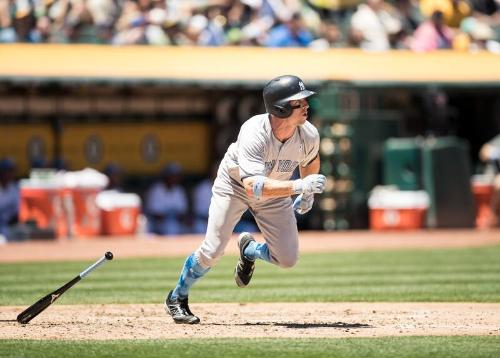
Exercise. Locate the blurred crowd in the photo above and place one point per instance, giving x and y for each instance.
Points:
(373, 25)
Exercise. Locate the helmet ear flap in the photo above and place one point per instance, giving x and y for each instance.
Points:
(283, 110)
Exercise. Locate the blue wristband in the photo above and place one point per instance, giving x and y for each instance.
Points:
(258, 186)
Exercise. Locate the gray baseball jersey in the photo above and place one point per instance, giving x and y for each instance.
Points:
(258, 152)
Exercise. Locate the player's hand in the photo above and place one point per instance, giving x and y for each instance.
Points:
(311, 184)
(494, 153)
(303, 203)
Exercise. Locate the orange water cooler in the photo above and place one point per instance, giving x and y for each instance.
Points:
(119, 212)
(86, 215)
(45, 206)
(482, 188)
(392, 209)
(397, 218)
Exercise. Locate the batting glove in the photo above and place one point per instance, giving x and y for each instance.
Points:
(303, 203)
(494, 154)
(311, 184)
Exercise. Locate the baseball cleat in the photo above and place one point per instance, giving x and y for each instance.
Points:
(178, 308)
(244, 268)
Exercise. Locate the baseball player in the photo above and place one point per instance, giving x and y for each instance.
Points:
(255, 174)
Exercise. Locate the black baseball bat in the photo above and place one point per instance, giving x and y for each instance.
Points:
(39, 306)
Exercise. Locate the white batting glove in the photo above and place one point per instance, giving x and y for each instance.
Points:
(311, 184)
(494, 153)
(303, 203)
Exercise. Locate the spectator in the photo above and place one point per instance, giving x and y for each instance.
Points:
(142, 22)
(292, 33)
(131, 25)
(478, 33)
(9, 196)
(104, 13)
(202, 194)
(166, 204)
(7, 31)
(255, 24)
(488, 10)
(408, 13)
(490, 154)
(372, 25)
(432, 34)
(194, 30)
(114, 172)
(330, 36)
(237, 16)
(213, 34)
(454, 11)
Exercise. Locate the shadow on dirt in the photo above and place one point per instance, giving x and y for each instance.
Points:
(341, 325)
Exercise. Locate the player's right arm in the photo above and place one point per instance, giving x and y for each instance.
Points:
(251, 159)
(271, 188)
(262, 187)
(489, 152)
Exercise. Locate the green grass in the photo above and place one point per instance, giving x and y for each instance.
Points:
(452, 275)
(407, 347)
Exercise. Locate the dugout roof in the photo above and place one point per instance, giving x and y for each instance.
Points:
(229, 66)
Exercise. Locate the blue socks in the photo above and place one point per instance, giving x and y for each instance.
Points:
(191, 272)
(254, 250)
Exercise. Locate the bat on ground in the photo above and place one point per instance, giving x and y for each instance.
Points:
(36, 308)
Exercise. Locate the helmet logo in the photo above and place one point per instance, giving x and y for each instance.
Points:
(301, 85)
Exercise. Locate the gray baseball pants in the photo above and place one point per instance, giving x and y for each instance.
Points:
(275, 218)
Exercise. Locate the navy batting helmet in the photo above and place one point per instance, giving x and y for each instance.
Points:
(280, 91)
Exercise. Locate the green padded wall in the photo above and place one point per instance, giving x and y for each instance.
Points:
(446, 178)
(369, 136)
(402, 163)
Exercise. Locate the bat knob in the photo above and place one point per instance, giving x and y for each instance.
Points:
(108, 255)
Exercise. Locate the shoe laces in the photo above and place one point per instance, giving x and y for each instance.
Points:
(181, 307)
(246, 266)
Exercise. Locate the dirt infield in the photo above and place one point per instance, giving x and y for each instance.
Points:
(308, 320)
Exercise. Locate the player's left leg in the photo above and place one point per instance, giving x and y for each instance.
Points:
(250, 250)
(276, 220)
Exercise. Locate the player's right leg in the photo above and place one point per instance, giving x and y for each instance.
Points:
(176, 303)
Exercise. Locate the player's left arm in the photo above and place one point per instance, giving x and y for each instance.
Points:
(304, 202)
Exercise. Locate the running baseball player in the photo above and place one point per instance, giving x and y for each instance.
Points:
(255, 174)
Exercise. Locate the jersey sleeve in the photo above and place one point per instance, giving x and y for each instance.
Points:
(311, 147)
(251, 154)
